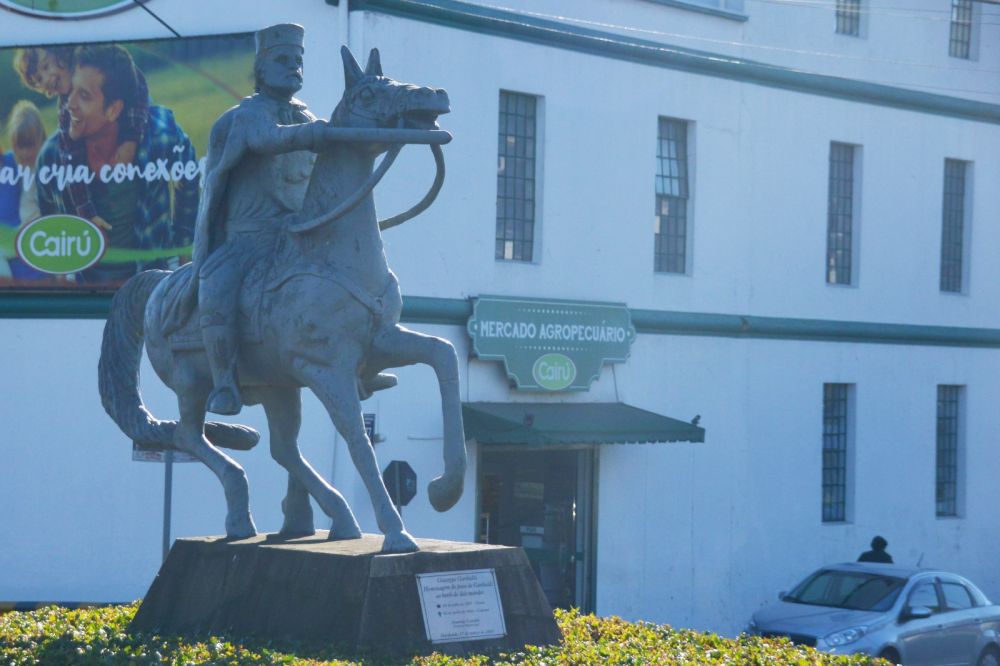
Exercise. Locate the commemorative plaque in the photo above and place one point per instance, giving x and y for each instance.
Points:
(461, 605)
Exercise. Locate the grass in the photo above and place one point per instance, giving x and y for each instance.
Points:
(54, 636)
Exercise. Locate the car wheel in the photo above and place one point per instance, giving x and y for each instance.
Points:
(989, 657)
(891, 656)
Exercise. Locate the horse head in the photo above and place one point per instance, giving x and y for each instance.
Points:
(376, 115)
(374, 101)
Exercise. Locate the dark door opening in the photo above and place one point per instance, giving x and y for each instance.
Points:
(542, 501)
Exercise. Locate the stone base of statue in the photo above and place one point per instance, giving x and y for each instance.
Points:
(456, 598)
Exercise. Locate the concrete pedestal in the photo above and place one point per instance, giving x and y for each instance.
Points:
(341, 592)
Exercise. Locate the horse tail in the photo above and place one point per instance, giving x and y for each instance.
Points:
(118, 369)
(118, 374)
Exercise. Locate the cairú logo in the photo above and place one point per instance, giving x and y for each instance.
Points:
(554, 371)
(60, 244)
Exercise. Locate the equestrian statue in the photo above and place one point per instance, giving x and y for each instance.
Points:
(288, 288)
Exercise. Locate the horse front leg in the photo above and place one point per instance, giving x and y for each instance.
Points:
(396, 346)
(284, 418)
(189, 437)
(337, 389)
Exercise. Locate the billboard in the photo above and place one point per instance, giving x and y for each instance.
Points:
(67, 9)
(102, 155)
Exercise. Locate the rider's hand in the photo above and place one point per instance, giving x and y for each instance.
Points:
(101, 222)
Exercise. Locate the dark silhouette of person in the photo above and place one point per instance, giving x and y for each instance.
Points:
(877, 553)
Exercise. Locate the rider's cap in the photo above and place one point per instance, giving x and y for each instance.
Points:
(283, 34)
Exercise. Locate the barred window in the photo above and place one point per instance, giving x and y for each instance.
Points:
(672, 197)
(953, 225)
(515, 232)
(960, 40)
(836, 435)
(948, 414)
(849, 17)
(840, 214)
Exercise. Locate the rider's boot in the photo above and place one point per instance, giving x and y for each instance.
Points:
(221, 345)
(368, 385)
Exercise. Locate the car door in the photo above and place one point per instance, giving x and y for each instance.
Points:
(960, 621)
(920, 638)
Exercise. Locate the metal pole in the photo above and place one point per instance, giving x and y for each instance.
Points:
(168, 483)
(397, 475)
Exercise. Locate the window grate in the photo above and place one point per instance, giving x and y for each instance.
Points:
(840, 214)
(953, 225)
(671, 237)
(849, 17)
(515, 228)
(960, 40)
(948, 405)
(835, 442)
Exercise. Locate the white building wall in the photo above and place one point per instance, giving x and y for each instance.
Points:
(901, 44)
(703, 535)
(694, 535)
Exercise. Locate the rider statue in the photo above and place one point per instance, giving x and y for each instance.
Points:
(260, 157)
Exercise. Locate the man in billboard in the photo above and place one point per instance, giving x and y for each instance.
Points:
(49, 71)
(145, 207)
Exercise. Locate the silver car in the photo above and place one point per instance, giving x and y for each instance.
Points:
(917, 617)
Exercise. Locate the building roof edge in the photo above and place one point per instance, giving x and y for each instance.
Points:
(513, 25)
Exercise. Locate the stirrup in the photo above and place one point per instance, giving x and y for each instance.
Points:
(224, 400)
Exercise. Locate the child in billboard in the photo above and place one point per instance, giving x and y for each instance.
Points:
(25, 134)
(49, 70)
(19, 200)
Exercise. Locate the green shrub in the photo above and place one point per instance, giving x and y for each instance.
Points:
(54, 636)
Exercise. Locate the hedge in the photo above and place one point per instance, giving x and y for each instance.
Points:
(53, 636)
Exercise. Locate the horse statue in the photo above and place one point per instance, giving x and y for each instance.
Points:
(323, 313)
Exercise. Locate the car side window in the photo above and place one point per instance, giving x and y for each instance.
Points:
(956, 596)
(924, 594)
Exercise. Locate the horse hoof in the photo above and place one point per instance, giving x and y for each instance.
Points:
(298, 519)
(399, 542)
(344, 535)
(444, 492)
(241, 528)
(295, 534)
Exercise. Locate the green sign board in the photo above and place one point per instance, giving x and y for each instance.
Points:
(67, 8)
(550, 345)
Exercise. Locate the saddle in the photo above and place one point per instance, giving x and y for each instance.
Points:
(263, 277)
(188, 337)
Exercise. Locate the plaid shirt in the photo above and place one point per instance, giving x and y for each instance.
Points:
(131, 128)
(167, 209)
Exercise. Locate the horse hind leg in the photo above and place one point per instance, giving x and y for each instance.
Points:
(284, 417)
(189, 437)
(337, 389)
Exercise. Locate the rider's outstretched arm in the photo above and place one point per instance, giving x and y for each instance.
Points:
(320, 135)
(275, 139)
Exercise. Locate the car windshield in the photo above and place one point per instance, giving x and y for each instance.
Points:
(854, 590)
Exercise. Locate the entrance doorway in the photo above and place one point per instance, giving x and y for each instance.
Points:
(543, 502)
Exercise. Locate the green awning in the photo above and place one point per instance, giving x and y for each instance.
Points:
(554, 423)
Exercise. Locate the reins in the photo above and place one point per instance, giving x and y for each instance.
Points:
(399, 137)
